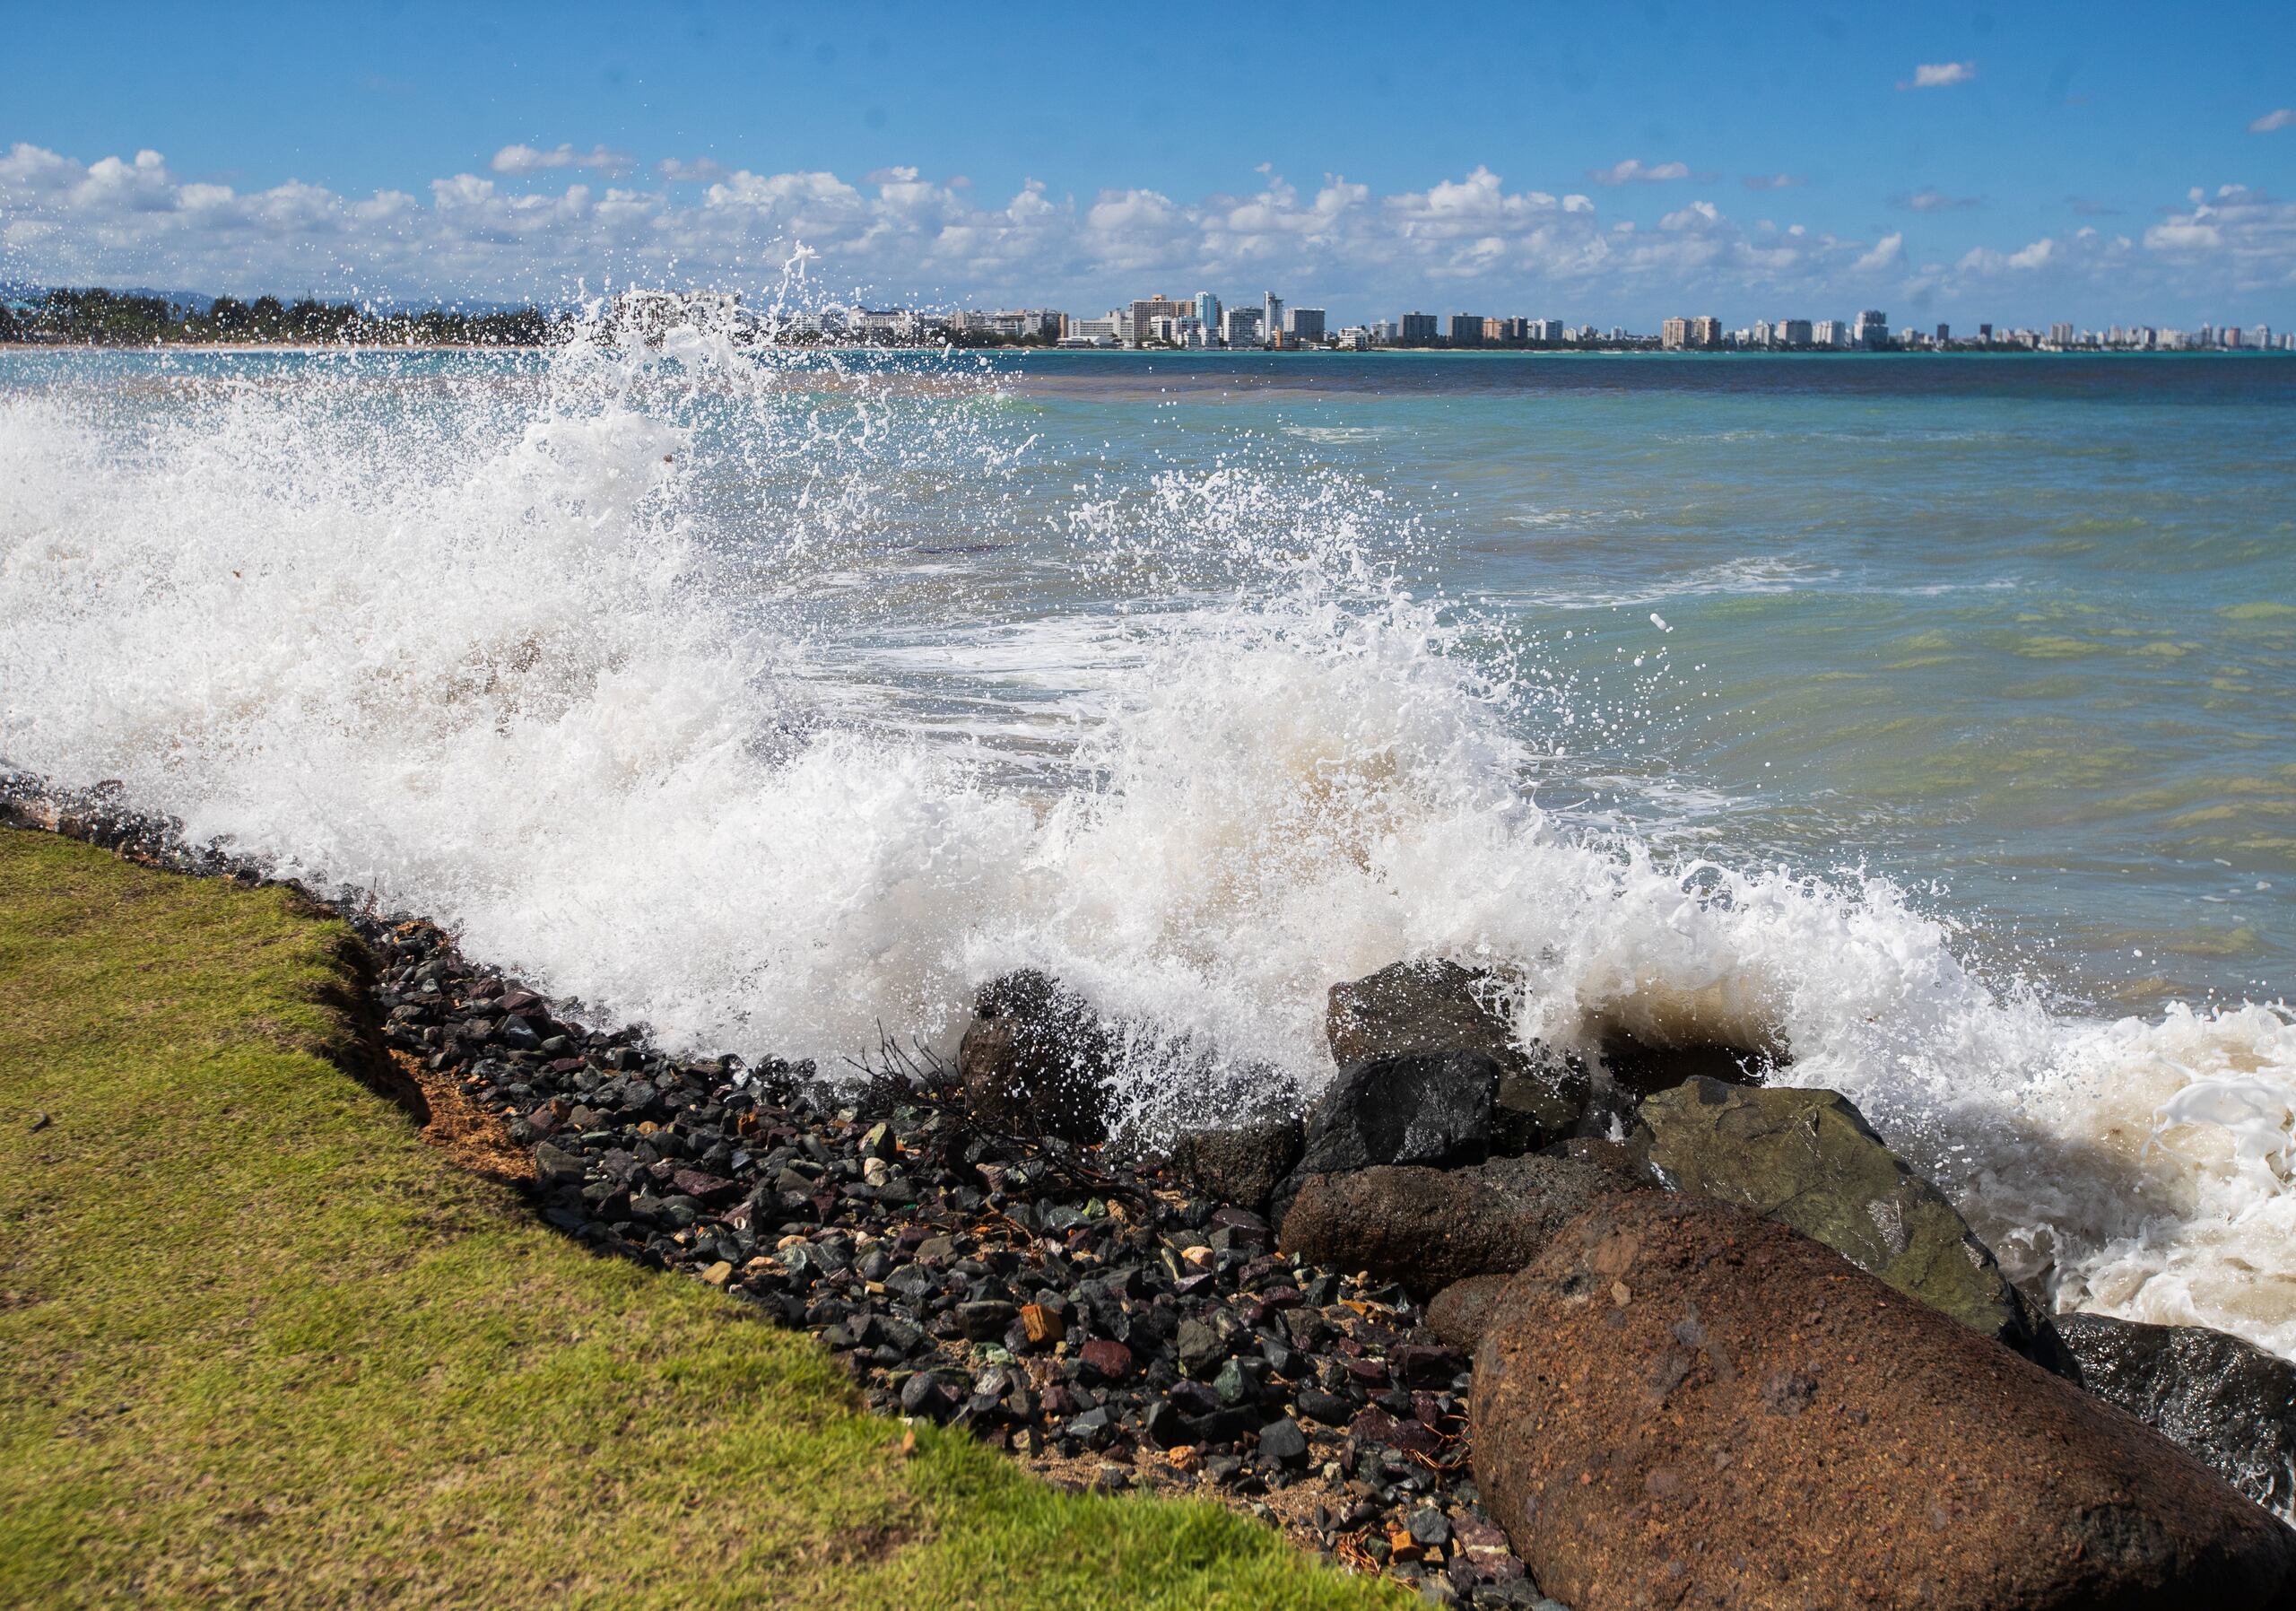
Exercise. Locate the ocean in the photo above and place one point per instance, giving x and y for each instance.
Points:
(1934, 719)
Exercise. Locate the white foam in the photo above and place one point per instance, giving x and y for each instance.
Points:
(470, 646)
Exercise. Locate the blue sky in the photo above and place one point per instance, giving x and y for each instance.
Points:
(2014, 163)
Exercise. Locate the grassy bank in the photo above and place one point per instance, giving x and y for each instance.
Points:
(258, 1343)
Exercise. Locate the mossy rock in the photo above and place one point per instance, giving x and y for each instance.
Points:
(1808, 1158)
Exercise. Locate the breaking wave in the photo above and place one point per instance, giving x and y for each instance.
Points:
(779, 699)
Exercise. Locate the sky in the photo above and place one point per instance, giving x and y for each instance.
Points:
(2018, 164)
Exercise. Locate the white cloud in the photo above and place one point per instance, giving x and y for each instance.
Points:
(2279, 117)
(1939, 75)
(701, 170)
(525, 158)
(1888, 252)
(1935, 201)
(1632, 171)
(1470, 239)
(1774, 182)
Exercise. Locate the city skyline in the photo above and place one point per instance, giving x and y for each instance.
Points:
(1626, 169)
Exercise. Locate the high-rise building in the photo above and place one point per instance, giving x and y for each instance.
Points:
(1147, 311)
(1271, 318)
(1467, 329)
(1792, 332)
(1207, 310)
(1945, 334)
(2060, 335)
(1675, 334)
(1872, 330)
(1416, 329)
(1706, 331)
(1239, 328)
(1306, 326)
(1985, 333)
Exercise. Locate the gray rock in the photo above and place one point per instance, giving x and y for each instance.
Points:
(1242, 1166)
(1808, 1158)
(1200, 1347)
(555, 1165)
(1283, 1443)
(2223, 1400)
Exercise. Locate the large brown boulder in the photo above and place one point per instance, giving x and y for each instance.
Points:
(1037, 1059)
(1427, 1228)
(1438, 1006)
(1684, 1403)
(1460, 1313)
(1808, 1157)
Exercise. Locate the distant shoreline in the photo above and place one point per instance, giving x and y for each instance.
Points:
(316, 349)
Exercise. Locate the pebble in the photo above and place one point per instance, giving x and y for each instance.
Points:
(1046, 1299)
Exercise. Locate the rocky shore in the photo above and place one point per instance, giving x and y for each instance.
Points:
(1488, 1318)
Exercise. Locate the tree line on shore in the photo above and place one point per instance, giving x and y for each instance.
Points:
(98, 317)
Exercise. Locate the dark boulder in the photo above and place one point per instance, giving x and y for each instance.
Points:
(2225, 1401)
(1430, 1108)
(1427, 1228)
(1684, 1394)
(1639, 1066)
(1036, 1060)
(1242, 1166)
(1437, 1006)
(1808, 1158)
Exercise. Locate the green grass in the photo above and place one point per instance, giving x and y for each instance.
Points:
(260, 1345)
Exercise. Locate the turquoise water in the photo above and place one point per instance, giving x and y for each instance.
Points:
(2019, 632)
(1929, 717)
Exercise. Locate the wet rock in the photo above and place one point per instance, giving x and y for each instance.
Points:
(1809, 1159)
(1438, 1006)
(1242, 1166)
(1686, 1393)
(1037, 1059)
(1427, 1108)
(2222, 1400)
(1428, 1228)
(1459, 1312)
(1640, 1068)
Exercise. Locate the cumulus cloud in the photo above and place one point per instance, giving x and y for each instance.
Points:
(1939, 75)
(1887, 252)
(1935, 201)
(1472, 240)
(518, 160)
(2279, 117)
(1632, 170)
